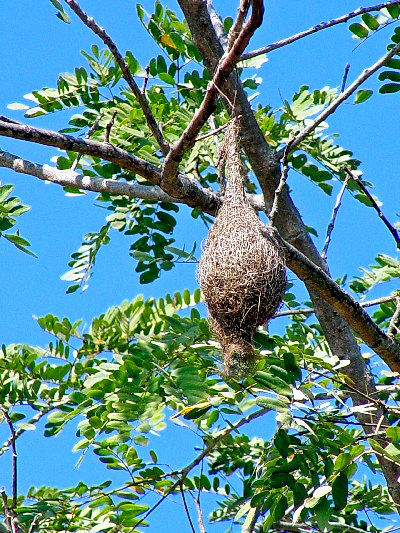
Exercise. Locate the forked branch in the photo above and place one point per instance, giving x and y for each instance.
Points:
(224, 69)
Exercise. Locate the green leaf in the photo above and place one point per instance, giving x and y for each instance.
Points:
(5, 190)
(370, 21)
(342, 461)
(390, 88)
(272, 403)
(340, 489)
(167, 78)
(363, 95)
(359, 30)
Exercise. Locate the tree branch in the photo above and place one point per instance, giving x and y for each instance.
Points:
(100, 32)
(311, 310)
(392, 230)
(314, 29)
(183, 188)
(331, 224)
(225, 67)
(208, 36)
(14, 457)
(366, 73)
(393, 327)
(71, 178)
(344, 304)
(20, 431)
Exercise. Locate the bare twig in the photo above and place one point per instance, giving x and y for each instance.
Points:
(213, 132)
(185, 471)
(282, 183)
(392, 230)
(186, 508)
(311, 310)
(318, 27)
(20, 431)
(109, 125)
(331, 224)
(224, 69)
(394, 324)
(345, 74)
(367, 73)
(33, 523)
(92, 129)
(151, 121)
(14, 457)
(200, 520)
(145, 79)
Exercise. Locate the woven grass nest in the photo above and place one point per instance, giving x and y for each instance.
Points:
(242, 271)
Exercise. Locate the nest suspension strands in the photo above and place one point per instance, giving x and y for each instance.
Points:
(242, 271)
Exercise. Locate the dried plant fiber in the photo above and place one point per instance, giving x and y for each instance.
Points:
(242, 271)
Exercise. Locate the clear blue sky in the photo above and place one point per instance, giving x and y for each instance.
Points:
(37, 47)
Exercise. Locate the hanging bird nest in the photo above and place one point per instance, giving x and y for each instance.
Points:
(242, 271)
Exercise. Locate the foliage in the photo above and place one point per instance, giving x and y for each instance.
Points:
(147, 365)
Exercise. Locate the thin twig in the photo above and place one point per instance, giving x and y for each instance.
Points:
(315, 29)
(91, 130)
(20, 431)
(109, 125)
(14, 458)
(185, 471)
(311, 310)
(282, 183)
(186, 508)
(331, 224)
(394, 324)
(33, 523)
(200, 520)
(366, 73)
(345, 74)
(392, 230)
(225, 67)
(213, 132)
(145, 79)
(126, 73)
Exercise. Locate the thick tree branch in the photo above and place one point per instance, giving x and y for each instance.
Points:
(71, 178)
(345, 305)
(367, 73)
(100, 32)
(224, 69)
(183, 188)
(314, 29)
(311, 310)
